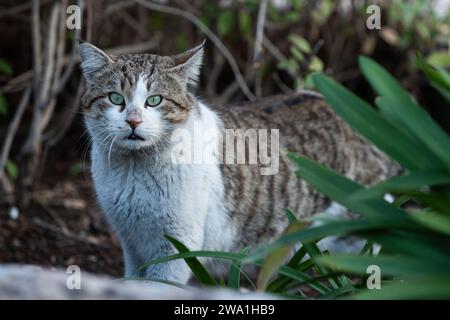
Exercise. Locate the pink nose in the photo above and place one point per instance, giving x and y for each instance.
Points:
(133, 122)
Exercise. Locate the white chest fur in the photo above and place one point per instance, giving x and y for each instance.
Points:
(145, 197)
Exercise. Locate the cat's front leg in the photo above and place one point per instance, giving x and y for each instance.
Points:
(175, 270)
(131, 264)
(143, 247)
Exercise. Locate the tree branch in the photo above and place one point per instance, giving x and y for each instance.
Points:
(215, 40)
(12, 129)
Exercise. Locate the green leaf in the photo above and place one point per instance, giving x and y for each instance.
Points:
(284, 270)
(444, 93)
(337, 292)
(276, 258)
(408, 182)
(289, 64)
(245, 23)
(316, 64)
(413, 116)
(6, 68)
(438, 77)
(304, 279)
(363, 118)
(436, 200)
(297, 54)
(300, 43)
(314, 251)
(338, 187)
(425, 288)
(390, 265)
(197, 268)
(225, 22)
(433, 220)
(336, 228)
(11, 169)
(234, 275)
(429, 247)
(278, 284)
(291, 216)
(392, 117)
(440, 58)
(3, 106)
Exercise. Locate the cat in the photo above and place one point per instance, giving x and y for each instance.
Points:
(132, 107)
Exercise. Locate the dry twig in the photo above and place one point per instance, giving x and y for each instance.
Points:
(257, 55)
(12, 129)
(215, 40)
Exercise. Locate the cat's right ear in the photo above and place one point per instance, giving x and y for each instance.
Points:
(92, 59)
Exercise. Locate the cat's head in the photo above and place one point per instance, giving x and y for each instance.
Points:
(136, 101)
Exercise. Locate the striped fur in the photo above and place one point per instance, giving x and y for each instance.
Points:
(256, 203)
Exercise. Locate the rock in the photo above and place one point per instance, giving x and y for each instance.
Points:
(33, 282)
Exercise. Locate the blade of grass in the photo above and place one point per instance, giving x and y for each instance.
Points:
(413, 116)
(314, 251)
(335, 293)
(234, 275)
(408, 182)
(330, 229)
(284, 270)
(393, 265)
(338, 187)
(433, 220)
(276, 258)
(425, 288)
(197, 268)
(364, 119)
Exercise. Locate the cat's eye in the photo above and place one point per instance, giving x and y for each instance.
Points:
(153, 101)
(116, 98)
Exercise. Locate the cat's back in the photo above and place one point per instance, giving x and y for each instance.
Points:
(307, 126)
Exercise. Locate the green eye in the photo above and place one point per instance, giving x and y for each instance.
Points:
(116, 98)
(153, 101)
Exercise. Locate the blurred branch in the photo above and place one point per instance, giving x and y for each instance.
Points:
(36, 38)
(19, 8)
(17, 83)
(257, 55)
(133, 48)
(31, 151)
(56, 85)
(231, 90)
(20, 82)
(217, 42)
(276, 53)
(12, 129)
(69, 115)
(134, 24)
(66, 233)
(119, 6)
(211, 84)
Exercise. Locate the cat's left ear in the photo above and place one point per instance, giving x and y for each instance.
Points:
(92, 59)
(188, 64)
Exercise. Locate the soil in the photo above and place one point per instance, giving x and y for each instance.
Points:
(62, 227)
(63, 224)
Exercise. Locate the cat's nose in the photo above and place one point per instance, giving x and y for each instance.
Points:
(134, 122)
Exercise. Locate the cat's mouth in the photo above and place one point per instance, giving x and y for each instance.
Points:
(134, 136)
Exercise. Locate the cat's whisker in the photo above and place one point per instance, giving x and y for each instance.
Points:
(109, 152)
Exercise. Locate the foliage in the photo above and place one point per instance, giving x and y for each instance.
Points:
(303, 61)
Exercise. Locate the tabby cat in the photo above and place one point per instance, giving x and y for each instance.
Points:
(133, 105)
